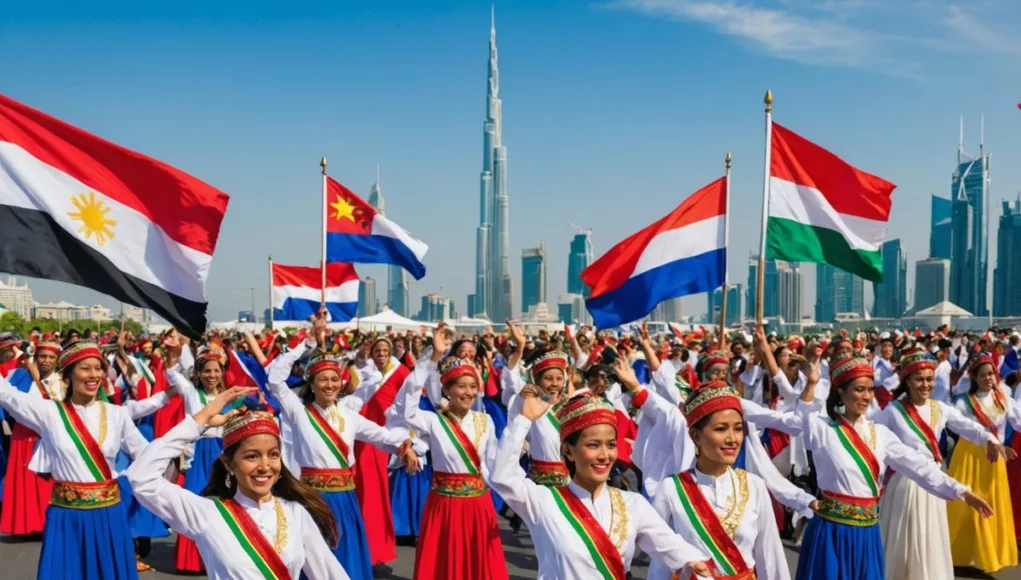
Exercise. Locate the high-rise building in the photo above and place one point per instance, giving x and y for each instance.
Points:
(435, 308)
(735, 305)
(668, 310)
(940, 227)
(932, 282)
(579, 259)
(571, 309)
(788, 291)
(397, 297)
(891, 295)
(16, 297)
(493, 283)
(533, 276)
(1007, 276)
(367, 297)
(771, 287)
(837, 292)
(969, 249)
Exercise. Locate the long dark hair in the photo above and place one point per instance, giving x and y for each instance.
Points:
(973, 372)
(197, 374)
(902, 388)
(287, 487)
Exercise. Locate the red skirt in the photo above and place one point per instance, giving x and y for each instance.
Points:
(459, 540)
(1014, 477)
(168, 417)
(373, 488)
(26, 494)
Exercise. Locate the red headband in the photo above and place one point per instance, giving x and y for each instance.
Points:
(584, 411)
(248, 423)
(849, 369)
(709, 398)
(455, 368)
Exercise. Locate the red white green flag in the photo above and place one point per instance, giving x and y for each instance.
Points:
(823, 210)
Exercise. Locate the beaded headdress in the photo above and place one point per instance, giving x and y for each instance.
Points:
(214, 351)
(321, 362)
(847, 370)
(48, 346)
(77, 352)
(914, 360)
(709, 398)
(549, 360)
(978, 360)
(453, 368)
(584, 411)
(9, 340)
(247, 423)
(716, 357)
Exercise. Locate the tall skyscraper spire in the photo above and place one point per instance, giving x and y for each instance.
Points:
(493, 284)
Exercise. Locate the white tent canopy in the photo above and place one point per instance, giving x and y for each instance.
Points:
(384, 320)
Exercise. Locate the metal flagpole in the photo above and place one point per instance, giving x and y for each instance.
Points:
(726, 244)
(760, 273)
(322, 263)
(271, 293)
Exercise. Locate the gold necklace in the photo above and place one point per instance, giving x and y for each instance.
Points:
(737, 503)
(102, 423)
(280, 539)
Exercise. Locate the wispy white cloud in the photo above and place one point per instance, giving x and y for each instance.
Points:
(886, 37)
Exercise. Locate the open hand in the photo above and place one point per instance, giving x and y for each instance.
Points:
(210, 416)
(442, 339)
(533, 406)
(978, 504)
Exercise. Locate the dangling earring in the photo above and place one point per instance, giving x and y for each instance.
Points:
(698, 452)
(227, 481)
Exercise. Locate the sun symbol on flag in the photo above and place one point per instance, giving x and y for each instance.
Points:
(92, 215)
(343, 209)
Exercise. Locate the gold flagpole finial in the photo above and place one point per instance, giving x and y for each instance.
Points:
(322, 163)
(728, 159)
(768, 100)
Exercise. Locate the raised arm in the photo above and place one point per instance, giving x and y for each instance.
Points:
(35, 413)
(507, 478)
(392, 440)
(147, 406)
(766, 418)
(967, 428)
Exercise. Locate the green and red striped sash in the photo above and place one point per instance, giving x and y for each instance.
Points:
(553, 419)
(334, 442)
(920, 427)
(252, 541)
(465, 448)
(980, 415)
(86, 444)
(860, 452)
(604, 553)
(707, 525)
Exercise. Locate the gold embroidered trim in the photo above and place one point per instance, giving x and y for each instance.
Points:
(480, 429)
(102, 424)
(736, 503)
(935, 414)
(618, 517)
(280, 538)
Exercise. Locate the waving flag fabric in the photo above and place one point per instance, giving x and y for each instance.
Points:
(823, 210)
(297, 292)
(357, 233)
(682, 253)
(79, 209)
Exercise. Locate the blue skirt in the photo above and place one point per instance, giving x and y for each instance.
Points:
(90, 544)
(147, 426)
(497, 414)
(832, 551)
(407, 499)
(352, 550)
(207, 452)
(142, 522)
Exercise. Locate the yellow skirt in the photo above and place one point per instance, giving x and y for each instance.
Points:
(984, 543)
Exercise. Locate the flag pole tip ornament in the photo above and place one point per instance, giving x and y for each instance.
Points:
(246, 423)
(453, 368)
(709, 398)
(322, 163)
(768, 99)
(728, 158)
(584, 411)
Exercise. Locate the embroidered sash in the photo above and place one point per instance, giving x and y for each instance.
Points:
(860, 452)
(465, 448)
(922, 429)
(334, 442)
(252, 541)
(605, 555)
(980, 415)
(553, 419)
(86, 444)
(707, 525)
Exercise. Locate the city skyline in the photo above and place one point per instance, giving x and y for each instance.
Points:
(606, 155)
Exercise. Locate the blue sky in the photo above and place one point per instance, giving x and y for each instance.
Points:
(613, 111)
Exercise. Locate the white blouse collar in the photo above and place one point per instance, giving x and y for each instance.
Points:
(248, 503)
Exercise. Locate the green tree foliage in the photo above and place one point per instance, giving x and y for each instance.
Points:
(11, 322)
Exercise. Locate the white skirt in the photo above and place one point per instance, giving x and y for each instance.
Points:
(916, 539)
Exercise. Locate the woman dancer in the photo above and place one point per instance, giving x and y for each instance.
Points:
(724, 511)
(459, 536)
(851, 456)
(986, 544)
(86, 534)
(914, 523)
(199, 457)
(256, 520)
(26, 493)
(585, 529)
(324, 434)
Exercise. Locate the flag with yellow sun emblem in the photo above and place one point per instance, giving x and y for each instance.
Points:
(79, 209)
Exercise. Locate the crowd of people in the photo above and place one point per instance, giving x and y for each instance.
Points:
(309, 453)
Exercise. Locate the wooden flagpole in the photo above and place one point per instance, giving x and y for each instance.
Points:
(760, 271)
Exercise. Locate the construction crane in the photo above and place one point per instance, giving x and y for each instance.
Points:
(580, 230)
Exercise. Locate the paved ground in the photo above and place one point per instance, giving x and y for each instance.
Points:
(18, 561)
